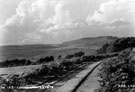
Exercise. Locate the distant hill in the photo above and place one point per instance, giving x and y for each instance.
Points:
(90, 42)
(118, 45)
(87, 45)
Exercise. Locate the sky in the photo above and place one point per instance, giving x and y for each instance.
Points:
(57, 21)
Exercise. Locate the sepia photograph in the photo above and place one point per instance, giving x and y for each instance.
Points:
(67, 45)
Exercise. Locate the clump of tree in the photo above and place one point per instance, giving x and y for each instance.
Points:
(15, 62)
(117, 45)
(45, 59)
(118, 73)
(77, 54)
(23, 62)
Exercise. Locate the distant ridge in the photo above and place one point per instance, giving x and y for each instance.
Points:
(85, 42)
(118, 45)
(92, 40)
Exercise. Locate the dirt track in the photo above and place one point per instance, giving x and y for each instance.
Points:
(73, 84)
(91, 83)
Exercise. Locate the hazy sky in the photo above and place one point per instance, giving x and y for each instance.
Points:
(55, 21)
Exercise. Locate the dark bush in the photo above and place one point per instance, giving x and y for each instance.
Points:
(11, 81)
(118, 71)
(117, 45)
(69, 56)
(77, 54)
(45, 60)
(67, 63)
(15, 62)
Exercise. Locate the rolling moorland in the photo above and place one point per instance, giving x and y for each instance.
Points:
(33, 52)
(118, 65)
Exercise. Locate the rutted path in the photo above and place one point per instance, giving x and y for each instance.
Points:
(91, 83)
(73, 84)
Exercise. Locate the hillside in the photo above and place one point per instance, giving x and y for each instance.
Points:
(91, 41)
(87, 45)
(118, 45)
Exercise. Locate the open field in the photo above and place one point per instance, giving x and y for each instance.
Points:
(17, 70)
(33, 52)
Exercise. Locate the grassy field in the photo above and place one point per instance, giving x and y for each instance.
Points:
(35, 54)
(19, 70)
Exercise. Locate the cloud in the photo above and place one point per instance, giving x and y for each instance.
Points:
(113, 10)
(33, 19)
(1, 34)
(55, 21)
(61, 15)
(114, 17)
(32, 37)
(26, 21)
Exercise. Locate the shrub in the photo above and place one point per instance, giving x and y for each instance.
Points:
(117, 71)
(118, 45)
(15, 62)
(45, 60)
(77, 54)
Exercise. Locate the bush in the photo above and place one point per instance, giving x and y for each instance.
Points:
(45, 60)
(117, 71)
(11, 81)
(67, 63)
(77, 54)
(15, 62)
(117, 45)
